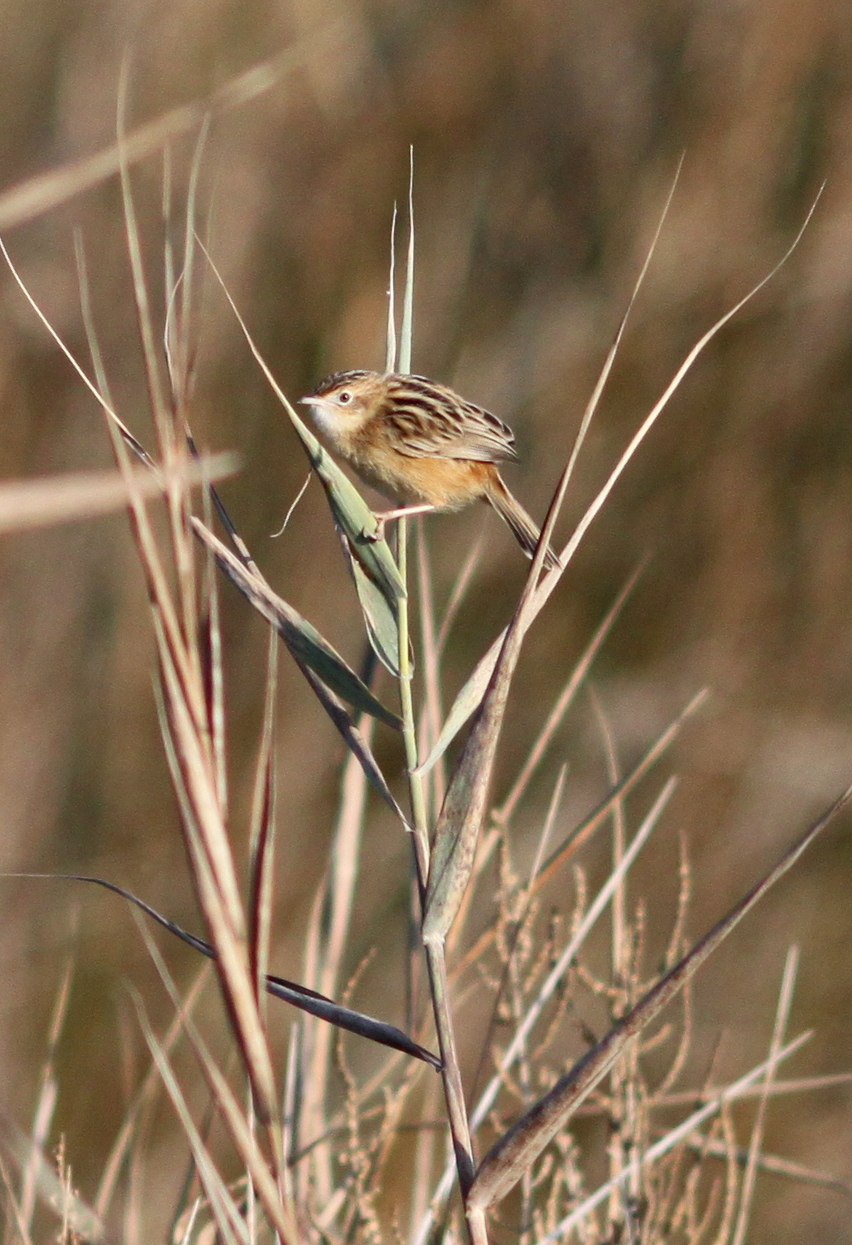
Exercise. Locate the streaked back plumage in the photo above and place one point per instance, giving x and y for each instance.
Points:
(429, 420)
(433, 421)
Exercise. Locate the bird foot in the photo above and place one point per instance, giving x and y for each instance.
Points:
(383, 517)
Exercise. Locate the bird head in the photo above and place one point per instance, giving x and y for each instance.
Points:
(342, 403)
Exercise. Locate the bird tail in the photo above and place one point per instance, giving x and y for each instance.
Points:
(519, 522)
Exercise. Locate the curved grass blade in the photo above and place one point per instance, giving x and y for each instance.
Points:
(346, 1018)
(302, 639)
(45, 191)
(470, 697)
(354, 740)
(290, 991)
(352, 514)
(503, 813)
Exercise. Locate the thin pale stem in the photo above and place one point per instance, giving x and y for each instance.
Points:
(409, 729)
(450, 1073)
(435, 959)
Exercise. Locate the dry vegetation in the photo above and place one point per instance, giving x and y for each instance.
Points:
(488, 851)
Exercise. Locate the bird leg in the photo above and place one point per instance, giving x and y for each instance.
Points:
(386, 516)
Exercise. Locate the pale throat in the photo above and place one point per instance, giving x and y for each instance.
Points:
(328, 423)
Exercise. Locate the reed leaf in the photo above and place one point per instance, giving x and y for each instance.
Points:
(303, 640)
(351, 514)
(465, 803)
(380, 617)
(299, 996)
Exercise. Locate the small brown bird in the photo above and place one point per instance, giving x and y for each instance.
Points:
(421, 444)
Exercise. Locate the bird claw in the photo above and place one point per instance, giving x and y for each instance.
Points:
(382, 517)
(378, 532)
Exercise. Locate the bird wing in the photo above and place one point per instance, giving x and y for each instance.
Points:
(431, 421)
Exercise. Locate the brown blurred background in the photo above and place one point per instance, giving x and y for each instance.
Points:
(546, 138)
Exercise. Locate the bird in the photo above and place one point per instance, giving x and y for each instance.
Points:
(421, 444)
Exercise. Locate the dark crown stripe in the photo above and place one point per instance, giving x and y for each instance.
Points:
(338, 378)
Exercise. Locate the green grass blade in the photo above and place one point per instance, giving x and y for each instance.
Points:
(464, 705)
(352, 514)
(379, 618)
(302, 639)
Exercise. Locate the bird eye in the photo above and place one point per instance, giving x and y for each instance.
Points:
(344, 397)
